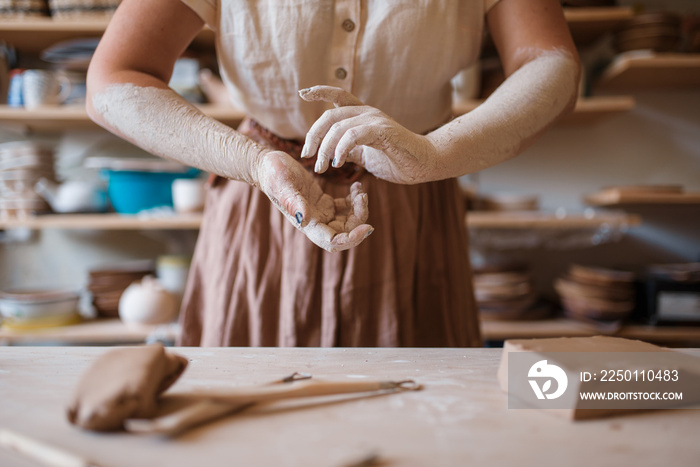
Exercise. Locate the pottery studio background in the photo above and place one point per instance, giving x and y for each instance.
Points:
(656, 142)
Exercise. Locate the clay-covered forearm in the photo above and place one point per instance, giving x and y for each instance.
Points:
(527, 102)
(155, 118)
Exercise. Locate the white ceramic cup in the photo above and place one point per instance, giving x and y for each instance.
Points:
(44, 87)
(188, 195)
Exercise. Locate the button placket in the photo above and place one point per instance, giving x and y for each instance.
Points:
(345, 33)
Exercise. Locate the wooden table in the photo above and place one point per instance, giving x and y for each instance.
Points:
(460, 418)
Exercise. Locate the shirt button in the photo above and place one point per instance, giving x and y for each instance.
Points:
(340, 73)
(348, 25)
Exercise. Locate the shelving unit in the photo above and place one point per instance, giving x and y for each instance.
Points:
(589, 24)
(633, 71)
(93, 332)
(588, 110)
(109, 221)
(51, 119)
(612, 199)
(75, 117)
(476, 219)
(35, 34)
(32, 35)
(548, 220)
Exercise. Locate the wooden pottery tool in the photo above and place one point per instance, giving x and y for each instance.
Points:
(195, 414)
(215, 404)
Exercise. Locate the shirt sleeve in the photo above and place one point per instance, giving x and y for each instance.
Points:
(488, 4)
(205, 9)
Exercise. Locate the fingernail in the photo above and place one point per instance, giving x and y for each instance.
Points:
(369, 233)
(336, 161)
(299, 217)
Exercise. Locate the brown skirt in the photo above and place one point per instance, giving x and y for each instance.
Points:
(256, 280)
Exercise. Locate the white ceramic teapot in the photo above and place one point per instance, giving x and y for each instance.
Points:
(147, 302)
(73, 195)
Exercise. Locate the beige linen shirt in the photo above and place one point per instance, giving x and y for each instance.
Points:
(396, 55)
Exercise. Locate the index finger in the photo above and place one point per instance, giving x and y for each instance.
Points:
(337, 96)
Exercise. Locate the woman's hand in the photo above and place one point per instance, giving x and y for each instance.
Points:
(333, 224)
(366, 136)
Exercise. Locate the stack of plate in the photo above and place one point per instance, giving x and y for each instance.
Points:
(20, 9)
(82, 9)
(21, 165)
(505, 294)
(659, 31)
(107, 284)
(600, 294)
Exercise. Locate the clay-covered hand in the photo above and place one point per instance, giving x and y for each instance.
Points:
(333, 224)
(366, 136)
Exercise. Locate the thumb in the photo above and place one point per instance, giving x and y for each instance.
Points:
(297, 209)
(337, 96)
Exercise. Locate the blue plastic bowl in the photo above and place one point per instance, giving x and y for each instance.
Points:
(133, 191)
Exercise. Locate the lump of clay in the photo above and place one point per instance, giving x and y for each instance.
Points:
(123, 383)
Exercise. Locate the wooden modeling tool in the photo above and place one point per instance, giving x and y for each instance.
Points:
(215, 404)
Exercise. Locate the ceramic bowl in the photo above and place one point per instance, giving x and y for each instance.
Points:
(34, 307)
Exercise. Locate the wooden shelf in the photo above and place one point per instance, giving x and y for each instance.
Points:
(108, 221)
(589, 24)
(497, 220)
(651, 71)
(588, 110)
(92, 332)
(613, 198)
(546, 220)
(502, 330)
(35, 34)
(59, 118)
(595, 109)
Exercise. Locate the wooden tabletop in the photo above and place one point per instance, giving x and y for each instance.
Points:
(460, 418)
